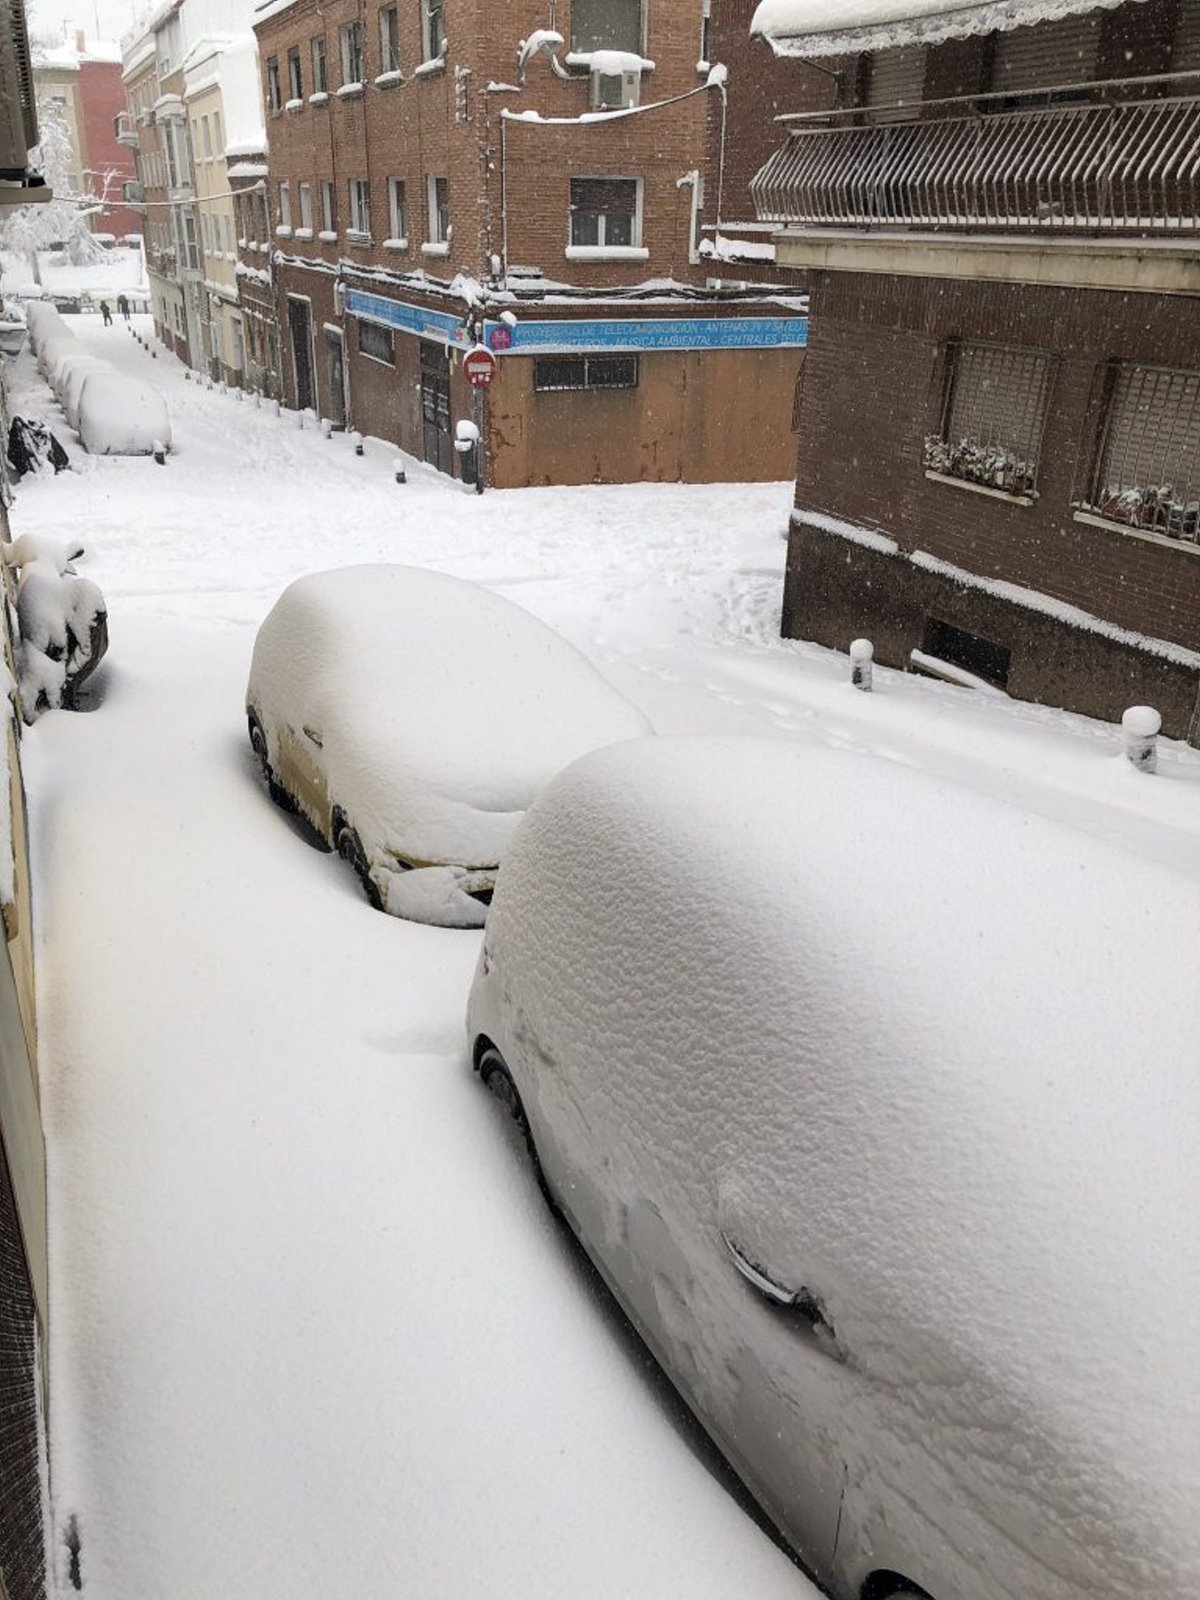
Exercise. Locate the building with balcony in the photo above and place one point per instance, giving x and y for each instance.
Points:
(447, 174)
(81, 81)
(997, 217)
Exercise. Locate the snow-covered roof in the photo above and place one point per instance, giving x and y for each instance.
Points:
(841, 27)
(69, 58)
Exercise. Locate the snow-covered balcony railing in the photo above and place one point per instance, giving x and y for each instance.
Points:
(1126, 167)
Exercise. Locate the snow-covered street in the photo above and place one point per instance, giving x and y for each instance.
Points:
(313, 1330)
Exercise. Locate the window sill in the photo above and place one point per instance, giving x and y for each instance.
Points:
(318, 99)
(327, 236)
(607, 252)
(293, 105)
(283, 232)
(303, 233)
(350, 91)
(355, 237)
(387, 80)
(436, 247)
(395, 244)
(430, 69)
(1148, 535)
(981, 488)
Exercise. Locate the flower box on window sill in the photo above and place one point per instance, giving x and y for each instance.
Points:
(428, 69)
(436, 247)
(395, 244)
(293, 105)
(318, 99)
(283, 231)
(302, 233)
(327, 236)
(350, 91)
(356, 236)
(607, 252)
(1093, 519)
(993, 468)
(385, 80)
(956, 482)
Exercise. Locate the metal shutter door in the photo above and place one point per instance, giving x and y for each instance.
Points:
(896, 78)
(1045, 56)
(1185, 53)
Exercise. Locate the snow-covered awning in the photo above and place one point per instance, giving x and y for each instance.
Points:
(844, 27)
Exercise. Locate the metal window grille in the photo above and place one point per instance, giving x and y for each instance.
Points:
(1148, 468)
(607, 25)
(993, 413)
(377, 342)
(557, 373)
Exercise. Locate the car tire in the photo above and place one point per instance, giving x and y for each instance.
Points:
(495, 1077)
(350, 847)
(258, 743)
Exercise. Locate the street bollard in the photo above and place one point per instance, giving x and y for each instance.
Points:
(862, 652)
(160, 452)
(326, 428)
(357, 442)
(401, 475)
(1139, 733)
(276, 408)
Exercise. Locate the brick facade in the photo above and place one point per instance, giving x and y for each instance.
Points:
(101, 97)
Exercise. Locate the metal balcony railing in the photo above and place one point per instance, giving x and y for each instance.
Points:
(1131, 167)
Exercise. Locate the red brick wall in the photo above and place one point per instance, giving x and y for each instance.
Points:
(101, 97)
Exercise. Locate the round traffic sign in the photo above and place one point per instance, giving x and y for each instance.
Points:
(479, 366)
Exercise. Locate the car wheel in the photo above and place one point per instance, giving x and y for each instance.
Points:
(350, 847)
(258, 743)
(495, 1076)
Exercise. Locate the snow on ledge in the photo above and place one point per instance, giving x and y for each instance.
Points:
(247, 169)
(350, 91)
(839, 27)
(321, 98)
(436, 247)
(608, 63)
(395, 244)
(870, 537)
(385, 80)
(428, 68)
(607, 252)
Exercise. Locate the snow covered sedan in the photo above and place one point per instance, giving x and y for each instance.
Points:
(412, 718)
(876, 1105)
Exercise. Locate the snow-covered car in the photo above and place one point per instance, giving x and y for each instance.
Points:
(412, 718)
(876, 1104)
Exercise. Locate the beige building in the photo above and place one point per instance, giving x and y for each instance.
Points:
(223, 346)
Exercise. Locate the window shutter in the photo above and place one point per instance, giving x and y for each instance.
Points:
(1185, 53)
(1047, 55)
(897, 77)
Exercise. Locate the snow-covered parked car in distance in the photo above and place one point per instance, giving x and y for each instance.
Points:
(413, 718)
(876, 1104)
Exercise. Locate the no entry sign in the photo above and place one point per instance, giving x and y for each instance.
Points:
(479, 366)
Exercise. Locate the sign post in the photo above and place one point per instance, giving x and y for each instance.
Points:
(479, 368)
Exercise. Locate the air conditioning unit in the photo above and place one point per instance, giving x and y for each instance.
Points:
(18, 110)
(615, 91)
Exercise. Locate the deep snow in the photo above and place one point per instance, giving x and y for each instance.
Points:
(312, 1330)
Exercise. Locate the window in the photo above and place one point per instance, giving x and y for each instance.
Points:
(605, 212)
(993, 412)
(285, 205)
(274, 95)
(552, 373)
(218, 136)
(206, 138)
(328, 206)
(360, 206)
(433, 36)
(389, 40)
(376, 342)
(607, 25)
(397, 210)
(320, 81)
(438, 203)
(306, 206)
(957, 648)
(1147, 471)
(352, 61)
(295, 81)
(706, 30)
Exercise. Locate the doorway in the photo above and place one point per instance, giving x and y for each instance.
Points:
(300, 328)
(335, 357)
(435, 406)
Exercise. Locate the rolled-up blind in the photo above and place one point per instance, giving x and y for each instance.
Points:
(1047, 55)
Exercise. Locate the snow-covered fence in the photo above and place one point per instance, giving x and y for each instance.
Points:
(114, 414)
(1139, 733)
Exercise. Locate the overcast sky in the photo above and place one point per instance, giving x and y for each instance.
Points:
(104, 19)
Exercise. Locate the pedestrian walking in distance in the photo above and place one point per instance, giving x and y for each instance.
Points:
(123, 305)
(105, 312)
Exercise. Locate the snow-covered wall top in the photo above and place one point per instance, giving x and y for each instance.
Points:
(842, 27)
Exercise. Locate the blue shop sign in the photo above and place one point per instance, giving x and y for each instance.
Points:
(426, 324)
(650, 333)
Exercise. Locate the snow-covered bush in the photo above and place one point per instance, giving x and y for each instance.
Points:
(62, 623)
(121, 416)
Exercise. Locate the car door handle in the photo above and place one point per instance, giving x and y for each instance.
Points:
(314, 736)
(802, 1301)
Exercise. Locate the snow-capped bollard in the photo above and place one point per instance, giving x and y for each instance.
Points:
(238, 396)
(862, 653)
(401, 475)
(356, 441)
(326, 428)
(276, 408)
(160, 452)
(300, 420)
(1139, 732)
(187, 376)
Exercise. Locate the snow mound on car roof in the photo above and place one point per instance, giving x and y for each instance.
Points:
(930, 1057)
(443, 707)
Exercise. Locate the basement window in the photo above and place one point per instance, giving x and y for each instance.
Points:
(1147, 473)
(557, 373)
(993, 411)
(957, 648)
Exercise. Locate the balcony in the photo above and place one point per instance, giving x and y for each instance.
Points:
(125, 131)
(1109, 169)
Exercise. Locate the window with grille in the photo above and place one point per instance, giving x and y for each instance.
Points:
(389, 40)
(320, 81)
(552, 373)
(295, 81)
(993, 412)
(1148, 464)
(607, 25)
(352, 59)
(605, 212)
(376, 342)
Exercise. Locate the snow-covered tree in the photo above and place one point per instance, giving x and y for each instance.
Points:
(63, 220)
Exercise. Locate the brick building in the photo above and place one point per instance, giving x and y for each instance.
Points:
(1001, 399)
(446, 174)
(83, 81)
